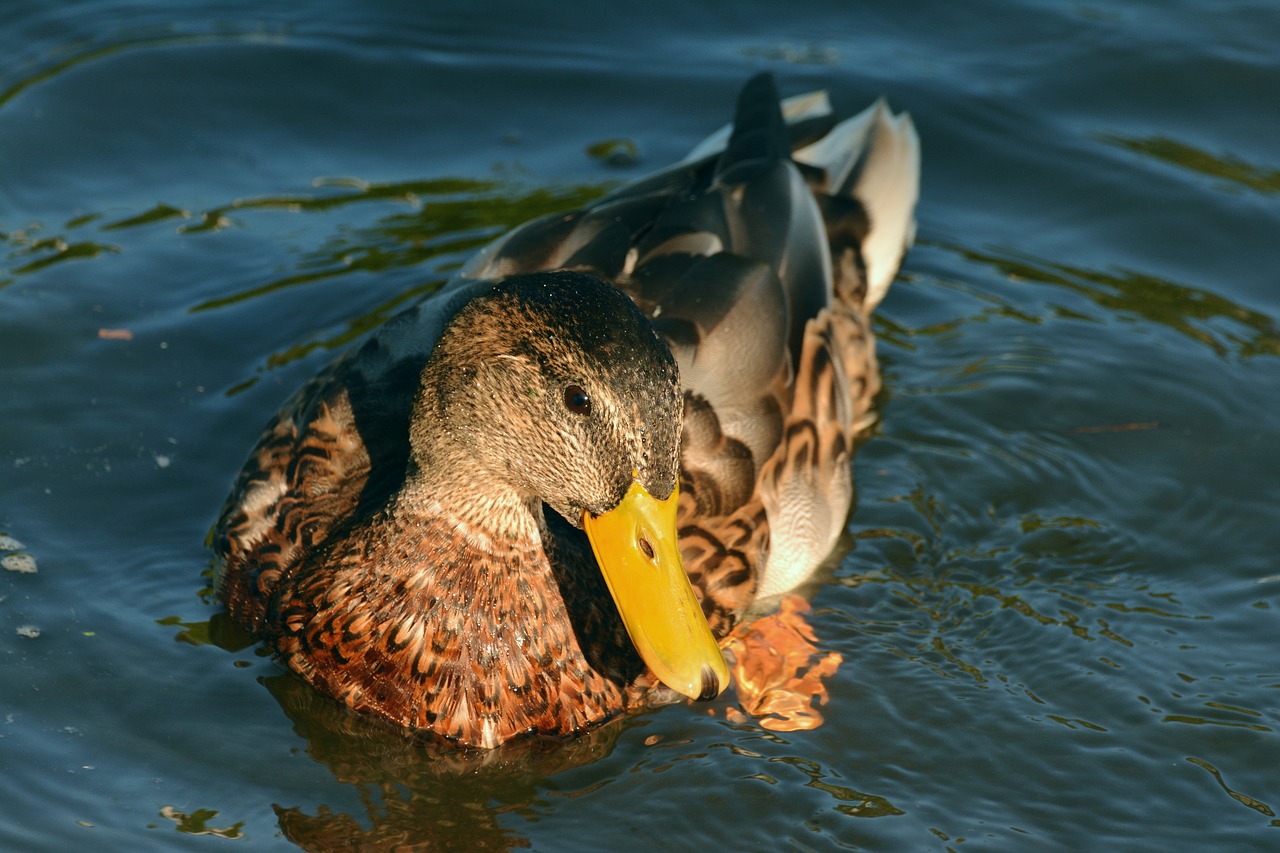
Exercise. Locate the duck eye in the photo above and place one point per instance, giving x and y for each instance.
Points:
(577, 400)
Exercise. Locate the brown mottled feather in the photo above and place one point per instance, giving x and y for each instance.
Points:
(413, 652)
(308, 469)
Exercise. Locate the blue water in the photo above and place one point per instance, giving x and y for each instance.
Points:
(1057, 599)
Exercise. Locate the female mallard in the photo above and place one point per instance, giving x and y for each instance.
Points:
(677, 371)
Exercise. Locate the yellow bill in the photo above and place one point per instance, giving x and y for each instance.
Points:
(636, 546)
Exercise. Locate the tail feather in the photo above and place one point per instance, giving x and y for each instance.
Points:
(874, 158)
(759, 138)
(795, 110)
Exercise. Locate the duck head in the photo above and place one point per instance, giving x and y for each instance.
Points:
(556, 390)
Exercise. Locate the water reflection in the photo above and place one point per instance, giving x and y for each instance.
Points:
(1225, 167)
(419, 793)
(45, 251)
(1244, 799)
(447, 220)
(1204, 316)
(449, 217)
(850, 801)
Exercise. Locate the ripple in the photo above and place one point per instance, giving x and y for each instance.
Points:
(1243, 799)
(1191, 311)
(1225, 167)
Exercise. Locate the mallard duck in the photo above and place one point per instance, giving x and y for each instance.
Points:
(539, 498)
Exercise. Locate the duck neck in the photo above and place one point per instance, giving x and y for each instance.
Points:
(482, 511)
(448, 475)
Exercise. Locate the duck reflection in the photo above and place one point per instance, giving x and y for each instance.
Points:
(420, 792)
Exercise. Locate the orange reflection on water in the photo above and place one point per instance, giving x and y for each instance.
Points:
(776, 672)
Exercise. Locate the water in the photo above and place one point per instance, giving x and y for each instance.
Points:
(1057, 599)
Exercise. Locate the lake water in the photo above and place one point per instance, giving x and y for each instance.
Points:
(1058, 601)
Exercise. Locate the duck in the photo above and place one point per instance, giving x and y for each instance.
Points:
(543, 497)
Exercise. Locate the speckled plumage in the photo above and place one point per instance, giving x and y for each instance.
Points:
(390, 536)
